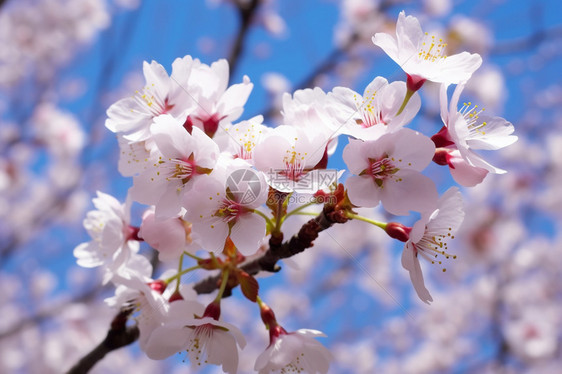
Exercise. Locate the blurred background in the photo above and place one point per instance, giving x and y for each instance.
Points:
(497, 308)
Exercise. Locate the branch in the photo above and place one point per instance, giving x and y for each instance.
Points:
(246, 12)
(119, 335)
(279, 250)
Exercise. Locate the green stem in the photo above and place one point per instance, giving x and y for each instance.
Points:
(192, 256)
(178, 275)
(224, 281)
(382, 225)
(409, 94)
(179, 271)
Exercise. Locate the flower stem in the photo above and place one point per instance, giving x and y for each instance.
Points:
(407, 98)
(180, 266)
(224, 281)
(192, 256)
(382, 225)
(178, 275)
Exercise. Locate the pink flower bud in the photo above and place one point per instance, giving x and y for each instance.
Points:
(398, 231)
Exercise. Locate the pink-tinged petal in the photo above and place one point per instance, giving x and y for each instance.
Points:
(171, 138)
(388, 45)
(465, 174)
(181, 71)
(353, 156)
(157, 79)
(362, 191)
(206, 151)
(443, 103)
(451, 213)
(126, 116)
(408, 190)
(411, 150)
(266, 153)
(408, 34)
(391, 101)
(166, 236)
(134, 158)
(88, 255)
(375, 86)
(166, 341)
(263, 359)
(221, 350)
(221, 69)
(494, 135)
(147, 187)
(234, 98)
(247, 233)
(213, 234)
(287, 347)
(411, 263)
(310, 333)
(457, 68)
(169, 204)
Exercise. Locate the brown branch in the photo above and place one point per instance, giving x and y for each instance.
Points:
(246, 12)
(119, 335)
(279, 250)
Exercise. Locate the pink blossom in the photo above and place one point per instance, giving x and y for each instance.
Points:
(429, 237)
(387, 170)
(373, 114)
(423, 57)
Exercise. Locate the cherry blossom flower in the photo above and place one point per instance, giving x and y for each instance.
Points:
(423, 57)
(428, 238)
(163, 94)
(113, 242)
(221, 205)
(241, 139)
(288, 155)
(217, 105)
(170, 237)
(313, 108)
(179, 158)
(206, 339)
(295, 352)
(388, 170)
(467, 129)
(373, 114)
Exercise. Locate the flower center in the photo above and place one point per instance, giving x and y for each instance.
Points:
(155, 105)
(381, 169)
(178, 168)
(294, 165)
(370, 112)
(229, 210)
(432, 50)
(471, 114)
(433, 245)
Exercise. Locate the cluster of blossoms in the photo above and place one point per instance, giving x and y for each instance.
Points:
(219, 191)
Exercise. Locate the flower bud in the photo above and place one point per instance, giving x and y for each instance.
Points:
(398, 231)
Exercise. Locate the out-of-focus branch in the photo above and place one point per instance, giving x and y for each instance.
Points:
(528, 42)
(246, 11)
(119, 335)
